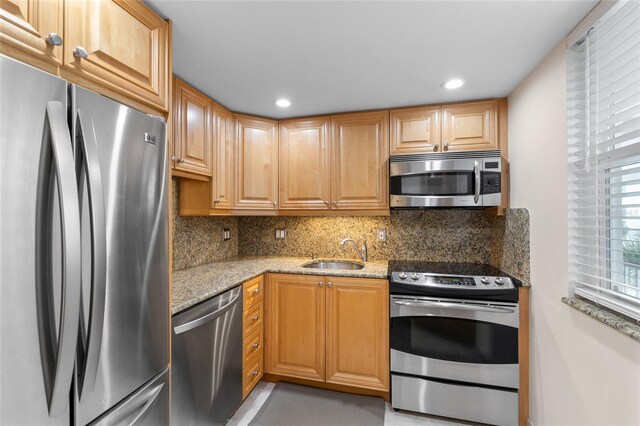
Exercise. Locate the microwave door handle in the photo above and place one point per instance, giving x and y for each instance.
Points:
(459, 306)
(476, 172)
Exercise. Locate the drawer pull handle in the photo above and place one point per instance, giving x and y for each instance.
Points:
(256, 290)
(255, 318)
(255, 373)
(256, 345)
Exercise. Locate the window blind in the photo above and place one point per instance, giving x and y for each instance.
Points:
(603, 125)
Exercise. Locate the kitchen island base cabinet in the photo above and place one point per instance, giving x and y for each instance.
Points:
(328, 331)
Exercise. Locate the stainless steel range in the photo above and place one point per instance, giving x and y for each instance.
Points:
(454, 341)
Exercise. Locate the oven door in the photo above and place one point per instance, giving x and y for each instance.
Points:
(452, 339)
(436, 183)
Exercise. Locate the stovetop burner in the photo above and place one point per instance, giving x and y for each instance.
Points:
(451, 279)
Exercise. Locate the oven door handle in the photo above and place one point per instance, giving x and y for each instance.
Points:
(449, 305)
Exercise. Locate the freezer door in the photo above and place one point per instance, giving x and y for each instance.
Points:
(148, 406)
(39, 248)
(121, 153)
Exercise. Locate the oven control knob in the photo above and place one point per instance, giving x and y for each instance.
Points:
(415, 276)
(499, 281)
(402, 276)
(485, 280)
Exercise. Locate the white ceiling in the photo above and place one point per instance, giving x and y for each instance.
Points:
(344, 56)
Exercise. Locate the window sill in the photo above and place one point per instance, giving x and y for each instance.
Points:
(605, 316)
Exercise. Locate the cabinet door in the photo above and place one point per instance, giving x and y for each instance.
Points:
(192, 127)
(358, 332)
(127, 48)
(470, 127)
(296, 326)
(256, 183)
(24, 27)
(222, 161)
(304, 164)
(415, 130)
(360, 153)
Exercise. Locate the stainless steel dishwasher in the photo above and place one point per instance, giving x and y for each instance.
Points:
(206, 362)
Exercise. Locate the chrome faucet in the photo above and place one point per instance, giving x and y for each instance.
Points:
(362, 254)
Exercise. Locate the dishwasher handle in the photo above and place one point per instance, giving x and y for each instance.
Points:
(206, 318)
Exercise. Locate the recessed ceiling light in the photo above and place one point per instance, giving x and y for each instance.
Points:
(454, 83)
(283, 103)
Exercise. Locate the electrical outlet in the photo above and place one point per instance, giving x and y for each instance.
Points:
(281, 233)
(226, 234)
(382, 235)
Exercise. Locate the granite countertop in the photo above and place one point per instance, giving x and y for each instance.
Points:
(194, 285)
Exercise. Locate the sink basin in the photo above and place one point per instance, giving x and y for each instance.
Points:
(333, 264)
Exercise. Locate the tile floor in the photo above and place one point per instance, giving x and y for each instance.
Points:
(258, 397)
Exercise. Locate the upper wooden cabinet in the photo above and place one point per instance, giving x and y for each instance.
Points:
(119, 48)
(126, 46)
(256, 164)
(222, 150)
(304, 164)
(24, 28)
(415, 130)
(470, 126)
(360, 154)
(192, 138)
(296, 326)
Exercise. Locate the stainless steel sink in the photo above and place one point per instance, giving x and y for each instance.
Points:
(333, 264)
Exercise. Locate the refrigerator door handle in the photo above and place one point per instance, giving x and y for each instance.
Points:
(98, 251)
(58, 362)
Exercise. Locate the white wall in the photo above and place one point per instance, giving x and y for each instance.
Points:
(582, 372)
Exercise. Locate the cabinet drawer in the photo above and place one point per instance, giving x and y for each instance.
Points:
(252, 374)
(253, 291)
(253, 319)
(253, 345)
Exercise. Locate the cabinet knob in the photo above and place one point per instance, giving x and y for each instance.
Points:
(275, 204)
(326, 203)
(216, 201)
(174, 158)
(256, 290)
(80, 52)
(329, 284)
(255, 345)
(320, 284)
(255, 318)
(181, 160)
(446, 146)
(334, 203)
(436, 147)
(53, 39)
(255, 372)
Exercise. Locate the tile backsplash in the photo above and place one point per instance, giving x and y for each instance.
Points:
(435, 235)
(198, 240)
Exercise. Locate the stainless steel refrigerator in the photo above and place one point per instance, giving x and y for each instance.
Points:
(84, 312)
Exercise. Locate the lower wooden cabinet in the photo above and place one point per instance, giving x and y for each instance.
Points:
(329, 329)
(252, 334)
(296, 326)
(357, 332)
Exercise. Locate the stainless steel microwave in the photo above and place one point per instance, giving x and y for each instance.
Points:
(449, 179)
